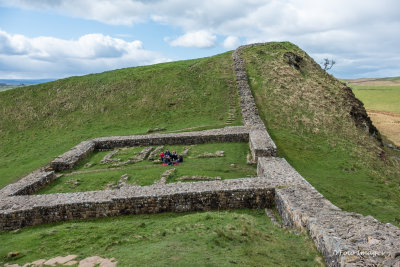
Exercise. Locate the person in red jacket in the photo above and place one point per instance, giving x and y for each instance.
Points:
(162, 156)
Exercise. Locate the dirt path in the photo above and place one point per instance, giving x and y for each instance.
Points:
(388, 124)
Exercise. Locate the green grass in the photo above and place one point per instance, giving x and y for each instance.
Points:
(382, 98)
(40, 122)
(224, 238)
(307, 113)
(232, 165)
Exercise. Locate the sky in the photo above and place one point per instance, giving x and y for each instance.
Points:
(48, 39)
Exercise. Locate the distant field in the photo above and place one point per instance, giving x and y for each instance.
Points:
(390, 81)
(382, 98)
(7, 84)
(4, 87)
(383, 106)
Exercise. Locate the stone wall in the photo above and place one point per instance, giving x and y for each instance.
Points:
(261, 144)
(228, 134)
(20, 211)
(69, 159)
(29, 184)
(344, 238)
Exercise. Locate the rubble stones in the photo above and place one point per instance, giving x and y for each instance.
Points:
(154, 154)
(186, 151)
(211, 155)
(164, 176)
(69, 261)
(143, 154)
(108, 158)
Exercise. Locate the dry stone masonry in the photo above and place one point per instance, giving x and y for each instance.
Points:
(344, 238)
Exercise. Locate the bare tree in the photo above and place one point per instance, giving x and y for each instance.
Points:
(328, 63)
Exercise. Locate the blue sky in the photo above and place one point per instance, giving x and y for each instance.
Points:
(61, 38)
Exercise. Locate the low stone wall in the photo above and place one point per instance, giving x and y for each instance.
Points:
(69, 159)
(344, 238)
(29, 184)
(261, 144)
(227, 134)
(20, 211)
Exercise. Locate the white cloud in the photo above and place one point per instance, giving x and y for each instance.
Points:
(231, 42)
(198, 39)
(114, 12)
(345, 29)
(89, 53)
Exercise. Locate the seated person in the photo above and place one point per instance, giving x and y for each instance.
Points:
(180, 159)
(174, 156)
(167, 159)
(162, 156)
(167, 153)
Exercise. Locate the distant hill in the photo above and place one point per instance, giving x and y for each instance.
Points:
(25, 81)
(6, 84)
(390, 81)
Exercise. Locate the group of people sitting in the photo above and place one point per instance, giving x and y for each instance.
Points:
(169, 158)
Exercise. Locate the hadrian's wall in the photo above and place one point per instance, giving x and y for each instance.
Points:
(20, 211)
(344, 238)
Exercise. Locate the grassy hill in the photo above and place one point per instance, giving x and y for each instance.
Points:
(42, 121)
(319, 128)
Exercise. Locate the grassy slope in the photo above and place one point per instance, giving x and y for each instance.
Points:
(382, 98)
(224, 238)
(307, 114)
(40, 122)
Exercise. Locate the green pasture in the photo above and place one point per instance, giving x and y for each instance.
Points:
(381, 98)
